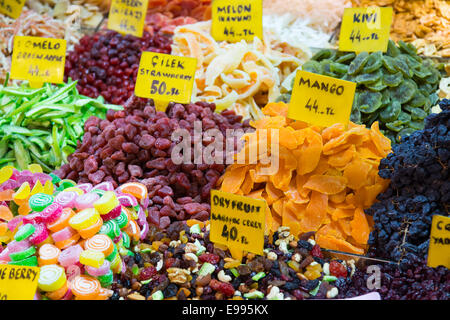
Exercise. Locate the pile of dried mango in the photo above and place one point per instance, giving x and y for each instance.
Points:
(326, 177)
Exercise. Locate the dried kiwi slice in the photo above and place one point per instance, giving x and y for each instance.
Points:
(418, 100)
(421, 71)
(401, 65)
(367, 78)
(338, 68)
(377, 86)
(392, 49)
(358, 63)
(396, 125)
(374, 62)
(324, 54)
(404, 117)
(404, 133)
(312, 66)
(391, 112)
(416, 125)
(404, 92)
(346, 57)
(392, 80)
(408, 48)
(433, 77)
(388, 64)
(369, 102)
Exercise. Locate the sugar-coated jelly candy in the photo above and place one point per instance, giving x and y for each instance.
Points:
(113, 254)
(92, 258)
(100, 242)
(49, 187)
(86, 200)
(52, 212)
(136, 189)
(72, 272)
(58, 294)
(64, 234)
(92, 230)
(51, 277)
(62, 221)
(122, 219)
(24, 232)
(107, 279)
(85, 287)
(66, 183)
(37, 188)
(16, 256)
(114, 213)
(39, 235)
(48, 254)
(133, 230)
(127, 200)
(106, 203)
(86, 187)
(105, 186)
(78, 191)
(29, 262)
(100, 271)
(70, 256)
(84, 219)
(66, 199)
(39, 201)
(23, 192)
(68, 242)
(5, 173)
(111, 229)
(5, 213)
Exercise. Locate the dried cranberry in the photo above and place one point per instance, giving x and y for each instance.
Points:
(316, 252)
(209, 257)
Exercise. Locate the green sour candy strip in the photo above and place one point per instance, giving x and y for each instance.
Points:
(122, 220)
(17, 256)
(113, 254)
(207, 268)
(24, 232)
(126, 240)
(254, 295)
(111, 229)
(107, 279)
(30, 262)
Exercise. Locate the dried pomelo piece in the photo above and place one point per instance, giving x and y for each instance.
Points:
(360, 227)
(356, 173)
(234, 179)
(337, 244)
(326, 184)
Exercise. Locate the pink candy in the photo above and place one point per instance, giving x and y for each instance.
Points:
(114, 213)
(66, 199)
(40, 234)
(14, 222)
(86, 187)
(105, 186)
(70, 256)
(73, 271)
(32, 218)
(63, 234)
(52, 212)
(17, 246)
(95, 272)
(86, 200)
(127, 200)
(4, 255)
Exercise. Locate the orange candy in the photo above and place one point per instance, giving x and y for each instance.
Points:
(68, 242)
(92, 230)
(58, 294)
(133, 230)
(5, 213)
(85, 287)
(135, 189)
(62, 221)
(100, 242)
(48, 254)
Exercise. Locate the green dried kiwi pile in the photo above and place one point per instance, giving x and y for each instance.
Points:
(396, 88)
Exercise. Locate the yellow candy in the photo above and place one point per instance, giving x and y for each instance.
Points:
(77, 190)
(51, 277)
(38, 188)
(106, 203)
(23, 192)
(49, 188)
(116, 264)
(6, 173)
(35, 168)
(92, 258)
(84, 219)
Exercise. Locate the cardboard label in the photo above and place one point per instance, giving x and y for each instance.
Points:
(365, 29)
(165, 78)
(18, 282)
(128, 16)
(237, 221)
(321, 100)
(439, 249)
(12, 8)
(236, 20)
(38, 60)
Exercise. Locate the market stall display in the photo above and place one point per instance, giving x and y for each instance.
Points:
(112, 196)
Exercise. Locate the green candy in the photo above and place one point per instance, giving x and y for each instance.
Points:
(17, 256)
(126, 240)
(29, 262)
(122, 220)
(39, 201)
(111, 229)
(107, 279)
(113, 254)
(99, 192)
(66, 183)
(55, 178)
(24, 232)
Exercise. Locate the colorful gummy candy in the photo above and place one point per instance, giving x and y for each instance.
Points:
(76, 234)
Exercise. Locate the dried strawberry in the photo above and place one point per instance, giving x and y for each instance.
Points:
(316, 252)
(209, 257)
(147, 273)
(337, 269)
(226, 288)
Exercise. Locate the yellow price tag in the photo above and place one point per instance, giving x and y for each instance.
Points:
(236, 20)
(12, 8)
(165, 78)
(38, 60)
(18, 282)
(439, 249)
(128, 16)
(365, 29)
(237, 221)
(321, 100)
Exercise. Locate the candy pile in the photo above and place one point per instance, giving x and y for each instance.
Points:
(396, 88)
(326, 177)
(135, 144)
(44, 125)
(77, 234)
(181, 263)
(419, 188)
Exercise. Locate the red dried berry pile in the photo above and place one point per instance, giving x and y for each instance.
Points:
(107, 62)
(135, 145)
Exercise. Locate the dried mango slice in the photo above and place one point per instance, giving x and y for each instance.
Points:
(382, 143)
(294, 195)
(287, 138)
(360, 227)
(233, 181)
(338, 197)
(356, 173)
(275, 109)
(333, 131)
(290, 220)
(316, 212)
(310, 151)
(326, 184)
(345, 226)
(340, 213)
(273, 194)
(337, 244)
(342, 158)
(331, 229)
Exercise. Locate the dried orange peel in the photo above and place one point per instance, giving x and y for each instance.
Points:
(325, 180)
